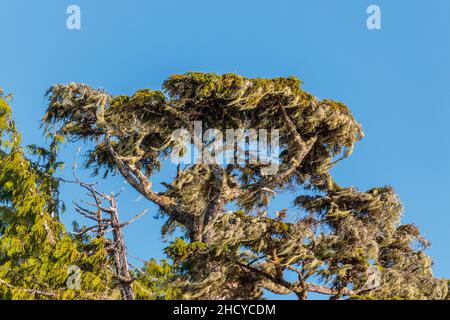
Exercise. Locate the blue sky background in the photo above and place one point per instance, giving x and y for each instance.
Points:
(395, 80)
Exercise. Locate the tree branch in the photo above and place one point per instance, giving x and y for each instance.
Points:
(140, 182)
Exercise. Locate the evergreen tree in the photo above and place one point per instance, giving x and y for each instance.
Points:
(39, 259)
(36, 254)
(341, 242)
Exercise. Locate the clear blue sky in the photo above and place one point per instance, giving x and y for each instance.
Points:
(396, 80)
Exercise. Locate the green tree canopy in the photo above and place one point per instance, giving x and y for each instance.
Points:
(35, 251)
(39, 259)
(340, 241)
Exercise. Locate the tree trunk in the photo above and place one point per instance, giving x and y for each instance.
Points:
(120, 257)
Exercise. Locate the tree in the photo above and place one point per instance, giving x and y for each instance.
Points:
(342, 238)
(152, 281)
(35, 251)
(39, 259)
(106, 218)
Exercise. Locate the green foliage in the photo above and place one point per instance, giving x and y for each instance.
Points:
(179, 249)
(35, 251)
(155, 281)
(335, 238)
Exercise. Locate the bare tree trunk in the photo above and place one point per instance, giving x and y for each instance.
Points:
(120, 255)
(107, 219)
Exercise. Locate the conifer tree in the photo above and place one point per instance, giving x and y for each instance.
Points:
(340, 242)
(36, 254)
(39, 259)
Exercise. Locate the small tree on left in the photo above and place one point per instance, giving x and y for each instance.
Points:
(37, 255)
(39, 259)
